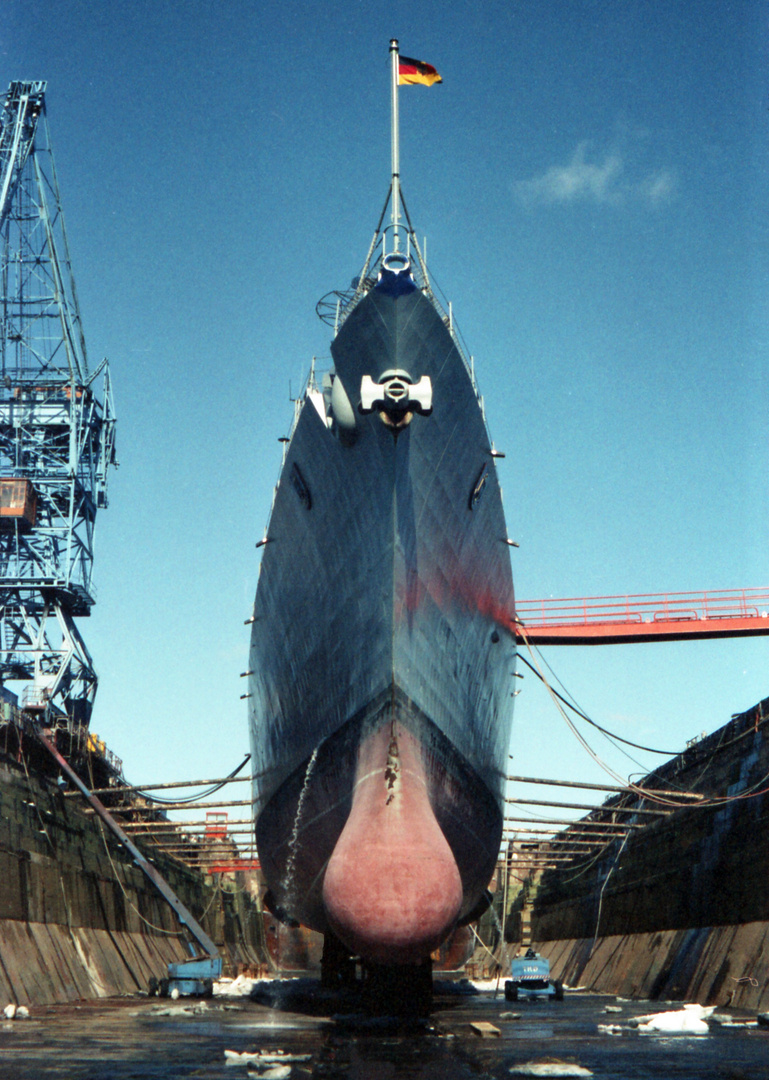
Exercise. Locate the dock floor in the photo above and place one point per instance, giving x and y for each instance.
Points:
(140, 1038)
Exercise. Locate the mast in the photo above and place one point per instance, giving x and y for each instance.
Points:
(334, 307)
(396, 195)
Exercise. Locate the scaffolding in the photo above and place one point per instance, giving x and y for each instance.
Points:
(56, 433)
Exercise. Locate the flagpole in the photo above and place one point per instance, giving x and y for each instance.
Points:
(396, 196)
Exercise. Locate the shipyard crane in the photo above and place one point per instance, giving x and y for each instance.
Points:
(56, 433)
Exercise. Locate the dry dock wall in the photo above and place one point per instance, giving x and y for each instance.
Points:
(79, 920)
(681, 909)
(718, 965)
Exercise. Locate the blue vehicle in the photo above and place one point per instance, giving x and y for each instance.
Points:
(531, 977)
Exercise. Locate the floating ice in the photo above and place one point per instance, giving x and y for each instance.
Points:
(258, 1058)
(16, 1012)
(611, 1029)
(484, 986)
(180, 1010)
(687, 1021)
(549, 1069)
(232, 1057)
(238, 987)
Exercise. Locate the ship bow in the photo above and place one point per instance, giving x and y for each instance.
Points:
(392, 889)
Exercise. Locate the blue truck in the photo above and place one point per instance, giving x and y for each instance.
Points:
(530, 977)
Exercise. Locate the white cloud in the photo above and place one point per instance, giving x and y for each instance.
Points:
(659, 186)
(599, 181)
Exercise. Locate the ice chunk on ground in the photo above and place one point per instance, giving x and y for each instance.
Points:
(549, 1068)
(258, 1058)
(484, 986)
(687, 1021)
(241, 986)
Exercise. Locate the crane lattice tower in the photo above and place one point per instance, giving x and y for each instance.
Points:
(56, 433)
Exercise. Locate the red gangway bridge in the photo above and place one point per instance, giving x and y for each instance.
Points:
(614, 620)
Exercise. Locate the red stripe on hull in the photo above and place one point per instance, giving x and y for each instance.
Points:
(392, 890)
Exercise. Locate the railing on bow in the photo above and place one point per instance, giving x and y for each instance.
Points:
(644, 617)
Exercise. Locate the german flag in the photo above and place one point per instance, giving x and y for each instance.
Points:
(416, 72)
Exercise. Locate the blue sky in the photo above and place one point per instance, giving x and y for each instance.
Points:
(592, 182)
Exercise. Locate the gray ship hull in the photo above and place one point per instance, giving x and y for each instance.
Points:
(382, 649)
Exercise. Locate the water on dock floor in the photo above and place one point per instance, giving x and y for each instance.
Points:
(144, 1039)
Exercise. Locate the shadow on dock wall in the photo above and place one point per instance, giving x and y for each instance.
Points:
(78, 920)
(680, 910)
(719, 965)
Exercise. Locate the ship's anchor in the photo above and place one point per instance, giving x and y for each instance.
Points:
(397, 397)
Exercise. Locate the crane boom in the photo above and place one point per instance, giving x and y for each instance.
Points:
(182, 913)
(24, 103)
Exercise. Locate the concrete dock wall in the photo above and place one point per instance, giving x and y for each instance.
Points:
(696, 867)
(680, 910)
(79, 920)
(719, 965)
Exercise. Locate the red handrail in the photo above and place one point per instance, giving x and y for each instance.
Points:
(645, 607)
